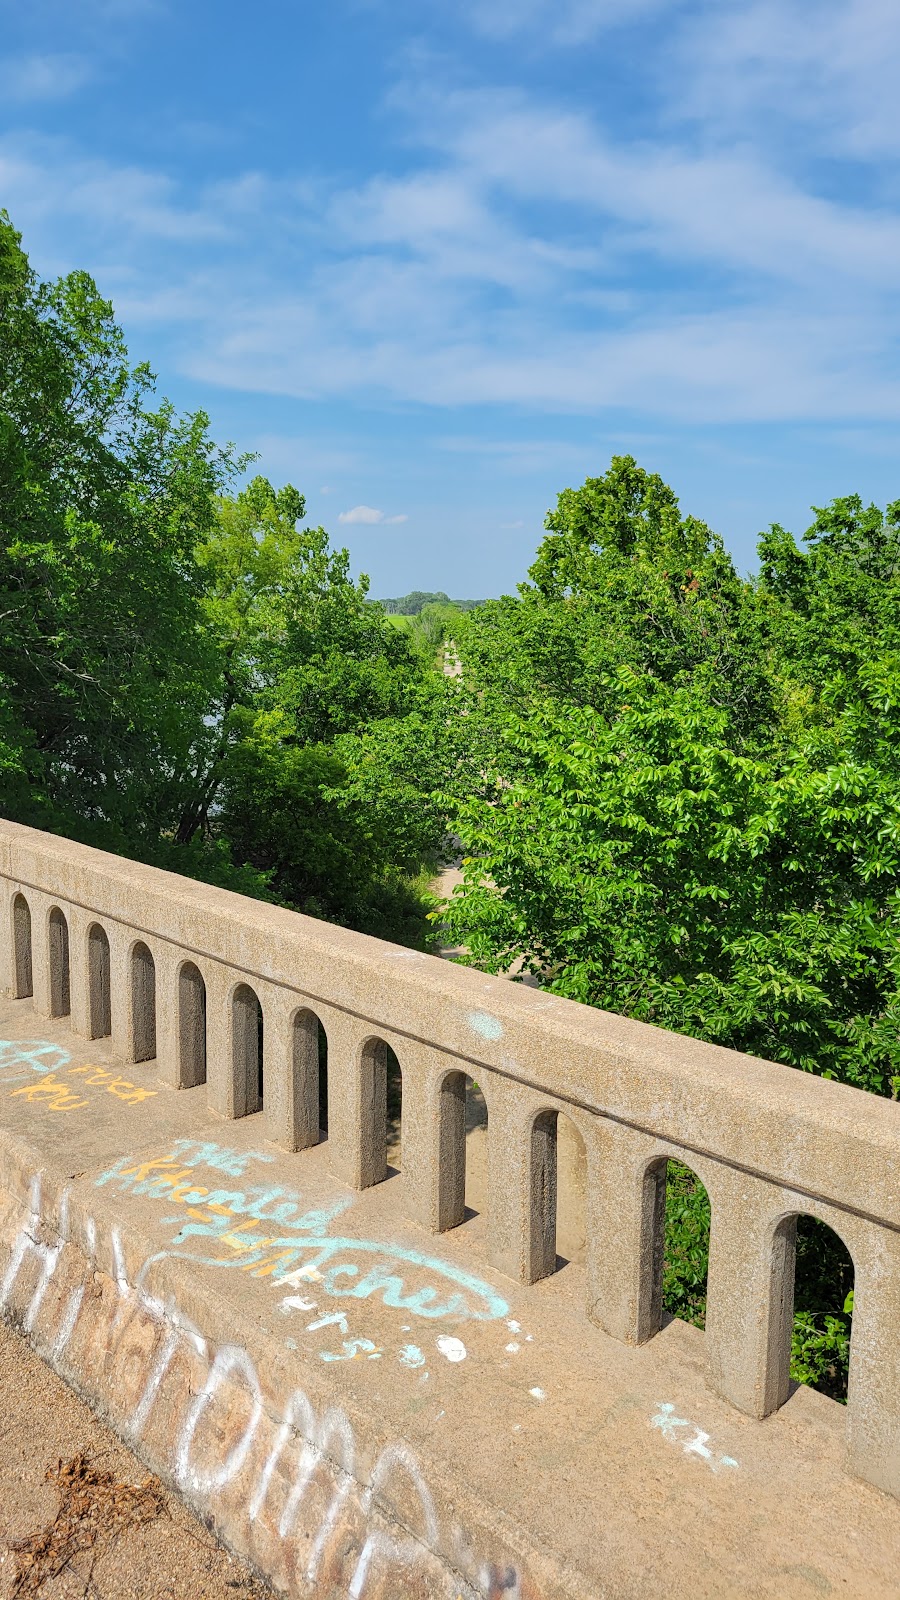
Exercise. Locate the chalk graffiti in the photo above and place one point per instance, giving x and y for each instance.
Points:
(452, 1349)
(696, 1445)
(486, 1026)
(131, 1093)
(48, 1060)
(301, 1251)
(278, 1470)
(38, 1054)
(52, 1093)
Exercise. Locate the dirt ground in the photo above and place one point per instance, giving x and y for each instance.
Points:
(102, 1528)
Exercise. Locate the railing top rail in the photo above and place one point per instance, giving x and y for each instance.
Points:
(812, 1136)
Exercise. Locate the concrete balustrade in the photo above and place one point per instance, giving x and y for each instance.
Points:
(223, 990)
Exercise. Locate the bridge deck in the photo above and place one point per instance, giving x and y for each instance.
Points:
(364, 1408)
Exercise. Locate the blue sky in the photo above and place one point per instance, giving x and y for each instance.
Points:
(437, 259)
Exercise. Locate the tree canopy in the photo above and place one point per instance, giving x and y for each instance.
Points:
(676, 788)
(184, 670)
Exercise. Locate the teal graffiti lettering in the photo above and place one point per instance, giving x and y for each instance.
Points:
(234, 1162)
(39, 1054)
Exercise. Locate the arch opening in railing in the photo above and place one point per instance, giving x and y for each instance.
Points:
(247, 1043)
(685, 1249)
(816, 1343)
(23, 969)
(381, 1112)
(672, 1268)
(309, 1087)
(58, 938)
(557, 1178)
(191, 1026)
(99, 992)
(143, 1003)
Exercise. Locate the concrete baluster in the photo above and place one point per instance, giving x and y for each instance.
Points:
(8, 984)
(40, 951)
(750, 1291)
(220, 1053)
(16, 963)
(120, 943)
(625, 1232)
(434, 1136)
(873, 1440)
(510, 1112)
(79, 972)
(168, 958)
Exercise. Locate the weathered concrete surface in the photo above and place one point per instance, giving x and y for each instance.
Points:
(283, 1350)
(198, 978)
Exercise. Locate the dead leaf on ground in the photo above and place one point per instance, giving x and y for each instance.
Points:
(94, 1508)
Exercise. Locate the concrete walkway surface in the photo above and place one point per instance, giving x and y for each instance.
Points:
(369, 1411)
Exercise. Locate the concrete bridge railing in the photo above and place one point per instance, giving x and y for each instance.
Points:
(231, 992)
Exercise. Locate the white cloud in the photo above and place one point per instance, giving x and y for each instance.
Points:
(43, 182)
(531, 258)
(368, 514)
(829, 67)
(565, 22)
(28, 78)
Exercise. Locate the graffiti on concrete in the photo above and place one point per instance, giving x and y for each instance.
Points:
(300, 1250)
(286, 1481)
(55, 1092)
(691, 1440)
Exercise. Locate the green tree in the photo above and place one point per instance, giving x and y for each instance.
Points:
(103, 499)
(621, 579)
(310, 670)
(690, 808)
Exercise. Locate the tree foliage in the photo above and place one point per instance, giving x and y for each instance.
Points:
(690, 810)
(180, 663)
(677, 788)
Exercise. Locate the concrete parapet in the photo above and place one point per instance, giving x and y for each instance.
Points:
(219, 989)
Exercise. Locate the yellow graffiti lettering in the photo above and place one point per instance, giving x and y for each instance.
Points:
(59, 1096)
(264, 1268)
(131, 1093)
(156, 1164)
(97, 1077)
(240, 1244)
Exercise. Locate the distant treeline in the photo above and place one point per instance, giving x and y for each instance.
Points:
(410, 605)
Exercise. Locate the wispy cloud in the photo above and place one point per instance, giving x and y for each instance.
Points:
(828, 67)
(43, 179)
(28, 78)
(527, 256)
(566, 22)
(369, 515)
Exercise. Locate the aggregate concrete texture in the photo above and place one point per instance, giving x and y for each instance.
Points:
(363, 1409)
